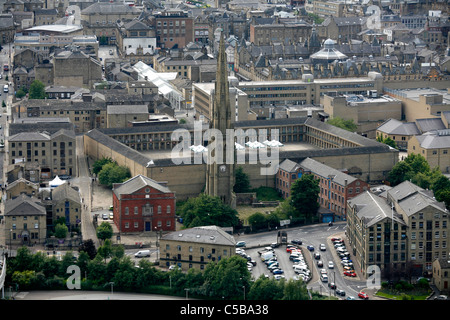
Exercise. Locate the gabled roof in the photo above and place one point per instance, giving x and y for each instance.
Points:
(430, 124)
(206, 234)
(24, 206)
(65, 192)
(289, 166)
(136, 183)
(109, 8)
(372, 209)
(435, 139)
(323, 170)
(393, 126)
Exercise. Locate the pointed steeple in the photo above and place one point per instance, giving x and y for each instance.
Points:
(221, 118)
(219, 172)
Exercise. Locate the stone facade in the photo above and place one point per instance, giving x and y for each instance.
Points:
(196, 247)
(401, 230)
(55, 152)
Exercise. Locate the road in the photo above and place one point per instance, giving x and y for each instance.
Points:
(5, 99)
(89, 295)
(84, 182)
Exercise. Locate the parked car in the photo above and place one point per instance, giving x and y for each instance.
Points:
(350, 298)
(289, 248)
(278, 271)
(363, 295)
(340, 292)
(240, 244)
(105, 216)
(297, 241)
(349, 274)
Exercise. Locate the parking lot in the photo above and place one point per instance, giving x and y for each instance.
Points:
(330, 266)
(283, 263)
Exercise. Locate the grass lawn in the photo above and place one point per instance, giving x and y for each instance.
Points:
(399, 295)
(246, 211)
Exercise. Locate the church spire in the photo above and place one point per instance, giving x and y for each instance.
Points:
(219, 171)
(221, 118)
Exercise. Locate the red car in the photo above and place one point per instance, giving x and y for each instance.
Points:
(349, 274)
(363, 295)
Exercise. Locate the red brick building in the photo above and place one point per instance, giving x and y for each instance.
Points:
(142, 204)
(336, 187)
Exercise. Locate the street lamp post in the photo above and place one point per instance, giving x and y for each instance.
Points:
(10, 241)
(187, 290)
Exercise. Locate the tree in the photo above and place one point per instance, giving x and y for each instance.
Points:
(113, 173)
(257, 220)
(61, 231)
(104, 231)
(348, 125)
(37, 90)
(304, 194)
(409, 168)
(88, 247)
(418, 163)
(98, 165)
(399, 173)
(206, 210)
(295, 290)
(443, 196)
(241, 182)
(266, 289)
(387, 141)
(228, 278)
(105, 251)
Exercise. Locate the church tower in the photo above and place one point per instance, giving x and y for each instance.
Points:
(220, 169)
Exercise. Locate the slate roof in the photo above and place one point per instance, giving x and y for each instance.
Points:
(136, 183)
(205, 234)
(65, 191)
(127, 109)
(411, 198)
(289, 166)
(109, 8)
(435, 140)
(426, 125)
(373, 209)
(323, 170)
(24, 206)
(393, 126)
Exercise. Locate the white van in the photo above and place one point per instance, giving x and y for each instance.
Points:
(266, 255)
(298, 268)
(5, 88)
(324, 278)
(142, 253)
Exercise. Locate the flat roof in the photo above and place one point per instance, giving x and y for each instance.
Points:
(299, 81)
(291, 146)
(414, 94)
(62, 28)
